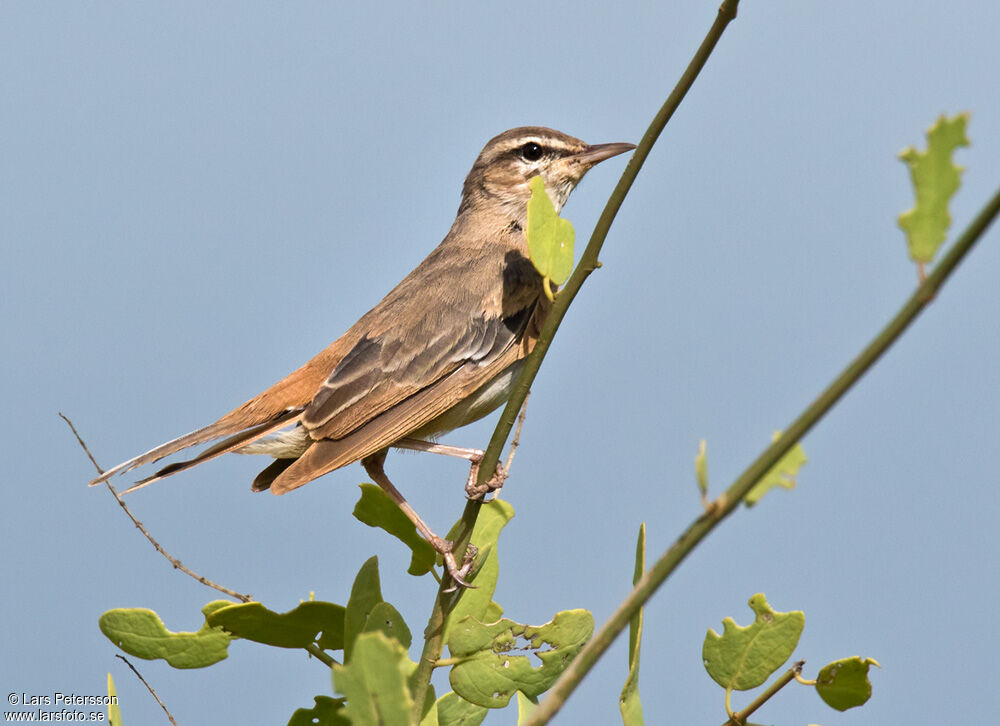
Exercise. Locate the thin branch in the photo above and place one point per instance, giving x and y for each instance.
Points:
(731, 498)
(516, 441)
(139, 675)
(740, 717)
(588, 263)
(321, 655)
(177, 564)
(588, 260)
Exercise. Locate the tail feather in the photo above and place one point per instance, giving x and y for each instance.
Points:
(208, 433)
(225, 446)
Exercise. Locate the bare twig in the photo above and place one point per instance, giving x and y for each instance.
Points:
(515, 442)
(137, 673)
(177, 564)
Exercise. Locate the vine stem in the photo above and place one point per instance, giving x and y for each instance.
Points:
(589, 262)
(740, 717)
(730, 499)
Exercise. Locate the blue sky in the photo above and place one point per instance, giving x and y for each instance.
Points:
(195, 199)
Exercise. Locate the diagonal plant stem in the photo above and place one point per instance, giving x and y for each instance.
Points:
(730, 499)
(740, 717)
(148, 687)
(588, 263)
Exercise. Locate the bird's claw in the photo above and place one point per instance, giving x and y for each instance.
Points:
(476, 491)
(457, 574)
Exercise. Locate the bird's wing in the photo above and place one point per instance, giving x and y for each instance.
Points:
(383, 370)
(406, 416)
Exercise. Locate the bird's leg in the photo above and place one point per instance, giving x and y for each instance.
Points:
(473, 489)
(374, 465)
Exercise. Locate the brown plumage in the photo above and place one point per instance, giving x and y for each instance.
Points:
(439, 351)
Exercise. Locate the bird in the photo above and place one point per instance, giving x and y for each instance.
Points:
(442, 349)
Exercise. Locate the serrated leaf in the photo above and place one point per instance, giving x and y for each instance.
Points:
(141, 632)
(478, 603)
(935, 179)
(295, 629)
(743, 657)
(525, 707)
(366, 593)
(701, 467)
(374, 682)
(453, 710)
(550, 237)
(844, 683)
(376, 509)
(327, 712)
(385, 619)
(114, 712)
(496, 657)
(783, 474)
(628, 701)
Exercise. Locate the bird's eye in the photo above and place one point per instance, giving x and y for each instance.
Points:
(531, 151)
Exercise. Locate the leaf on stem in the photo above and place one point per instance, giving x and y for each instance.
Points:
(496, 659)
(550, 237)
(141, 632)
(312, 621)
(628, 702)
(701, 467)
(114, 712)
(525, 707)
(935, 179)
(376, 509)
(453, 710)
(327, 712)
(374, 682)
(783, 474)
(743, 657)
(844, 683)
(478, 603)
(366, 611)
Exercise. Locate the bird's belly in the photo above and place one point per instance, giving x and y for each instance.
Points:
(482, 402)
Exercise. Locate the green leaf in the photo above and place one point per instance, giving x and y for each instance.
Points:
(525, 707)
(478, 603)
(327, 712)
(376, 509)
(844, 683)
(114, 712)
(783, 474)
(140, 632)
(743, 657)
(701, 467)
(935, 179)
(295, 629)
(496, 658)
(453, 710)
(550, 238)
(384, 618)
(628, 702)
(374, 682)
(366, 593)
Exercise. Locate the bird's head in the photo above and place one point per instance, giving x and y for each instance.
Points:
(500, 177)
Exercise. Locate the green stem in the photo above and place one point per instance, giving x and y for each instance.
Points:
(320, 655)
(588, 263)
(443, 604)
(588, 260)
(740, 718)
(731, 498)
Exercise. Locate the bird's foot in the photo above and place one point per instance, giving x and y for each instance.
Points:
(458, 574)
(476, 491)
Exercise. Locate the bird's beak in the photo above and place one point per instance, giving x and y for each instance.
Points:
(599, 152)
